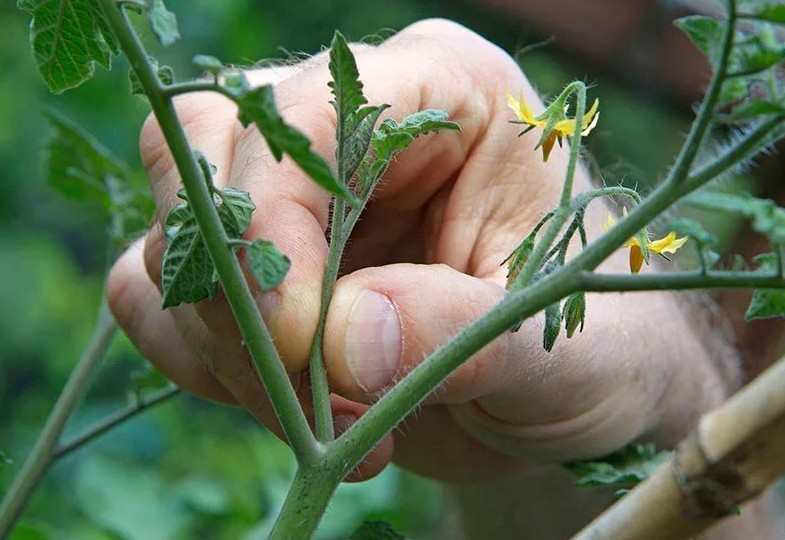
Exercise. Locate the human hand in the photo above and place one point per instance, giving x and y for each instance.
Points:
(423, 263)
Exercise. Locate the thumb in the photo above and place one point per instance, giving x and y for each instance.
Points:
(383, 321)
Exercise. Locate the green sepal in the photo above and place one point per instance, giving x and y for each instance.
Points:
(574, 313)
(552, 326)
(517, 259)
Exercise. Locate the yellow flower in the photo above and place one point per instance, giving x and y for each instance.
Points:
(562, 128)
(667, 244)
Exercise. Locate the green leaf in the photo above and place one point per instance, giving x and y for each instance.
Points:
(188, 273)
(258, 106)
(5, 460)
(360, 141)
(771, 12)
(376, 530)
(30, 532)
(346, 86)
(83, 170)
(693, 229)
(552, 326)
(163, 22)
(767, 218)
(268, 264)
(624, 468)
(165, 75)
(766, 303)
(147, 378)
(753, 109)
(705, 32)
(68, 38)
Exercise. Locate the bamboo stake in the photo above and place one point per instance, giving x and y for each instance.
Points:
(734, 454)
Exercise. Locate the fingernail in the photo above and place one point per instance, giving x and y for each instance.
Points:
(373, 340)
(341, 423)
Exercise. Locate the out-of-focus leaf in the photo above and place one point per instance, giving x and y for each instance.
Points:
(705, 32)
(163, 22)
(766, 303)
(767, 217)
(68, 38)
(693, 229)
(624, 468)
(208, 63)
(753, 109)
(25, 531)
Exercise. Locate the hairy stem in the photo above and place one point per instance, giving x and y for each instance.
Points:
(254, 332)
(111, 422)
(698, 130)
(674, 281)
(43, 455)
(323, 416)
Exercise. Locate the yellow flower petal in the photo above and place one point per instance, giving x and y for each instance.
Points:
(636, 259)
(522, 110)
(668, 244)
(590, 119)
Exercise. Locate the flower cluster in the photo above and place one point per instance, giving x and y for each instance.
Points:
(553, 121)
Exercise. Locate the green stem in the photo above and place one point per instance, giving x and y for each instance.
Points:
(254, 332)
(750, 145)
(591, 282)
(189, 87)
(305, 503)
(698, 130)
(563, 212)
(42, 455)
(114, 420)
(323, 416)
(582, 200)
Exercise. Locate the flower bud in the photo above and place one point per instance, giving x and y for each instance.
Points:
(574, 312)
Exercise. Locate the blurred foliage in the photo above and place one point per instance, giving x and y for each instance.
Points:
(190, 469)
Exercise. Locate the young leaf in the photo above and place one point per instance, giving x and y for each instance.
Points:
(766, 303)
(345, 84)
(771, 12)
(68, 38)
(163, 22)
(268, 264)
(552, 326)
(704, 31)
(376, 530)
(188, 273)
(624, 468)
(258, 106)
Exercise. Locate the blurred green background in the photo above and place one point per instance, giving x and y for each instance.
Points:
(189, 468)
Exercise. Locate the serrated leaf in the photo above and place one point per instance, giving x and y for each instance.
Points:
(624, 468)
(766, 303)
(258, 106)
(165, 75)
(188, 273)
(360, 141)
(693, 229)
(268, 264)
(68, 38)
(705, 32)
(345, 84)
(550, 331)
(163, 22)
(376, 530)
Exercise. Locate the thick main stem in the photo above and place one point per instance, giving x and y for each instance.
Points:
(255, 335)
(42, 454)
(305, 503)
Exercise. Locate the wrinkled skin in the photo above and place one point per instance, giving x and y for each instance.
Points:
(423, 263)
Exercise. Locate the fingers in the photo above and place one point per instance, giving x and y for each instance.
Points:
(136, 304)
(589, 395)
